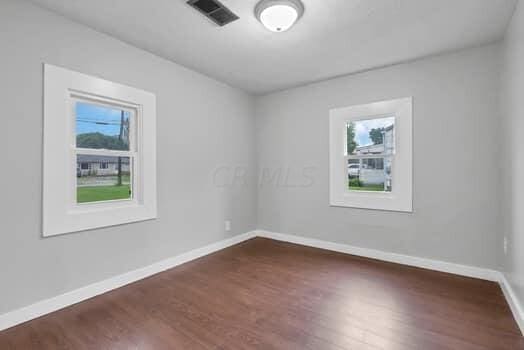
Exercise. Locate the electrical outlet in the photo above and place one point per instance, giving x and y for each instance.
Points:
(227, 225)
(505, 245)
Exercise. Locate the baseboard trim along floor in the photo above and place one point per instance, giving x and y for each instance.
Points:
(47, 306)
(513, 301)
(457, 269)
(43, 307)
(435, 265)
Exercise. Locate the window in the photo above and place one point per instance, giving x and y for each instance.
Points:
(104, 182)
(105, 139)
(370, 143)
(371, 156)
(106, 131)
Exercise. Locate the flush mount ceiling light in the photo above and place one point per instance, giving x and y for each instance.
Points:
(279, 15)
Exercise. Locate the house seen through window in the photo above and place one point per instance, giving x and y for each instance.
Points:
(370, 149)
(104, 152)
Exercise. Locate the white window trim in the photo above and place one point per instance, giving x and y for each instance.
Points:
(401, 196)
(61, 213)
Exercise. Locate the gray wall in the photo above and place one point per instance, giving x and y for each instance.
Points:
(202, 125)
(513, 160)
(456, 148)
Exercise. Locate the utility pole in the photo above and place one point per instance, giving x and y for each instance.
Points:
(384, 151)
(119, 183)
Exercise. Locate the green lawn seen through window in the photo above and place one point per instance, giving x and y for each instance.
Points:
(376, 188)
(88, 194)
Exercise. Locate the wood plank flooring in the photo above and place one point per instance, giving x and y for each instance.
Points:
(263, 294)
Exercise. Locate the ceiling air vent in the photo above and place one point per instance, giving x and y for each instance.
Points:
(214, 10)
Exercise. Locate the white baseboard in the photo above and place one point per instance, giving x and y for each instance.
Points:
(43, 307)
(513, 301)
(436, 265)
(463, 270)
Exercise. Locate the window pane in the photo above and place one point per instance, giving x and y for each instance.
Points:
(371, 136)
(101, 127)
(102, 178)
(370, 174)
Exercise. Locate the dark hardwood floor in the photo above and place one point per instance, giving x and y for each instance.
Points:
(263, 294)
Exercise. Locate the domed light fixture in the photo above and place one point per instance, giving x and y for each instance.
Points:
(279, 15)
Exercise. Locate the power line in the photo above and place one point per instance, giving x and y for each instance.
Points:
(98, 122)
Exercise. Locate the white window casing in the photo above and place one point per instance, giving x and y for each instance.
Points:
(401, 196)
(61, 212)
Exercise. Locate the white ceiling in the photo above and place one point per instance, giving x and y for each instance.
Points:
(334, 37)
